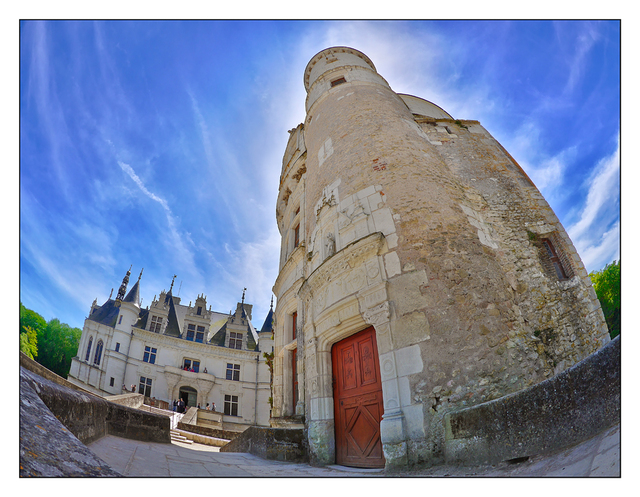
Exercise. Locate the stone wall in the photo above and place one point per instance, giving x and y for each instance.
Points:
(559, 412)
(133, 400)
(281, 444)
(90, 417)
(47, 447)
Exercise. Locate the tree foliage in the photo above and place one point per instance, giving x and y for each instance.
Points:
(606, 283)
(29, 341)
(54, 343)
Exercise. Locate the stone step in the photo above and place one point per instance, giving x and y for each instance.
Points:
(176, 437)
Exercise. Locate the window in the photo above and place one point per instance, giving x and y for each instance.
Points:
(294, 377)
(199, 311)
(145, 386)
(191, 331)
(86, 358)
(190, 363)
(149, 355)
(120, 320)
(156, 324)
(231, 405)
(233, 372)
(296, 236)
(200, 334)
(117, 346)
(294, 325)
(98, 354)
(235, 340)
(338, 81)
(555, 260)
(112, 381)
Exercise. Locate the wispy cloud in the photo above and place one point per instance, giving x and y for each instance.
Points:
(600, 214)
(176, 241)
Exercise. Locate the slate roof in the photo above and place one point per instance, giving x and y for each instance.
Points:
(134, 294)
(173, 324)
(267, 327)
(106, 314)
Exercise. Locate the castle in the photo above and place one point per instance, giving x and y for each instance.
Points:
(421, 272)
(170, 351)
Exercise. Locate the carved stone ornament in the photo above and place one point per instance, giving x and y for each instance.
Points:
(377, 315)
(330, 245)
(340, 262)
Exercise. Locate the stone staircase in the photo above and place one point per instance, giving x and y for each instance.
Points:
(177, 437)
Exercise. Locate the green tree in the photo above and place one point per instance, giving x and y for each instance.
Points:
(57, 346)
(606, 283)
(29, 342)
(53, 344)
(32, 319)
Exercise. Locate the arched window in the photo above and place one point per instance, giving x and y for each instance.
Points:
(88, 349)
(98, 356)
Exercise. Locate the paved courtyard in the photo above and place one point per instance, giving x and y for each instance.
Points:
(598, 457)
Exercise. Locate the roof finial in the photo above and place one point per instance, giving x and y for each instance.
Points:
(243, 290)
(140, 274)
(123, 288)
(272, 302)
(174, 278)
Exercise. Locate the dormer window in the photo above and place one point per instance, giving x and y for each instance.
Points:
(199, 311)
(235, 340)
(156, 324)
(338, 81)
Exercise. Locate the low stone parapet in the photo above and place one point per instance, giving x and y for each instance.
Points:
(562, 411)
(280, 444)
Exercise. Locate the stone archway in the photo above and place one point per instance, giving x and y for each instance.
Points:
(189, 395)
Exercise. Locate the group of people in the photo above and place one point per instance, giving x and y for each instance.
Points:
(180, 406)
(189, 368)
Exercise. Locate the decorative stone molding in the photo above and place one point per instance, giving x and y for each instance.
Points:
(377, 315)
(341, 262)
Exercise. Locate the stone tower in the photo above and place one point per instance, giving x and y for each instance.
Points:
(398, 219)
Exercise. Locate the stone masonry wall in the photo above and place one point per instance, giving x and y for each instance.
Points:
(567, 409)
(463, 295)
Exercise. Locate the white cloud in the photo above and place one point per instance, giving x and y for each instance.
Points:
(176, 241)
(596, 234)
(604, 192)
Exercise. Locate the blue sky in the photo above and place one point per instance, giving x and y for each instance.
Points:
(159, 144)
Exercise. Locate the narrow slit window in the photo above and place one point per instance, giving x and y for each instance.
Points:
(555, 260)
(338, 81)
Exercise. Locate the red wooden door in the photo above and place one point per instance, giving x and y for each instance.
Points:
(358, 401)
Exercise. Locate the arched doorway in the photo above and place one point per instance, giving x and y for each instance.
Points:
(189, 395)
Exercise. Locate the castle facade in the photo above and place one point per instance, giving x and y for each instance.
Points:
(421, 271)
(170, 351)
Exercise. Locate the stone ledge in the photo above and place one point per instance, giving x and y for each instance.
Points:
(557, 413)
(280, 444)
(56, 420)
(47, 448)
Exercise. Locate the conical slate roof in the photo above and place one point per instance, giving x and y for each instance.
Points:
(134, 294)
(267, 327)
(173, 324)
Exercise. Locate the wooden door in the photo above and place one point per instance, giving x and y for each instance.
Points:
(358, 401)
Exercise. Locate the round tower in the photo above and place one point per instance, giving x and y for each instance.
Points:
(421, 272)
